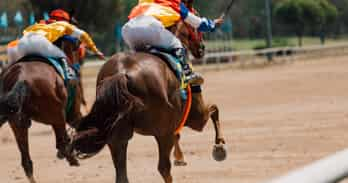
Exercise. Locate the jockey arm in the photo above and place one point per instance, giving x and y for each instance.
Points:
(201, 24)
(86, 39)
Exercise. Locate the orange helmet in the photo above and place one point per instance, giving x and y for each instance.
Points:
(59, 15)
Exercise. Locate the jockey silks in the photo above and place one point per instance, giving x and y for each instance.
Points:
(149, 21)
(38, 39)
(169, 12)
(56, 30)
(166, 13)
(33, 44)
(143, 31)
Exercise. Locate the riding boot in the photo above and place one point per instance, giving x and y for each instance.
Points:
(192, 77)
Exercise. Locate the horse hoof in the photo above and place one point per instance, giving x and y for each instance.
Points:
(179, 163)
(74, 162)
(60, 155)
(219, 152)
(32, 180)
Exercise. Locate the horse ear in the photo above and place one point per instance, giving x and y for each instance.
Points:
(73, 20)
(72, 12)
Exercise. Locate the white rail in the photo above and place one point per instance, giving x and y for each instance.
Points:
(261, 56)
(332, 169)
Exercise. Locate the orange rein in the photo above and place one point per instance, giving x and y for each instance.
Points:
(186, 111)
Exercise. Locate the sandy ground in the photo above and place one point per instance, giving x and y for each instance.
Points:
(274, 119)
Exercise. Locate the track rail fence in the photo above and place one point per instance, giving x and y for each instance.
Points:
(252, 58)
(332, 169)
(274, 55)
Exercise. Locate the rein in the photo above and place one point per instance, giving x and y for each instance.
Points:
(186, 110)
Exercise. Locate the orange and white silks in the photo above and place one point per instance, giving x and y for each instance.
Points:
(166, 11)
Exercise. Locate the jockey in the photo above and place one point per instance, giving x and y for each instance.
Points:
(148, 23)
(39, 39)
(57, 15)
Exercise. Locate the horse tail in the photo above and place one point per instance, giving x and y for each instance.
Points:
(12, 102)
(114, 93)
(114, 103)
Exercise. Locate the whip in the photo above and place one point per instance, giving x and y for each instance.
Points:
(228, 9)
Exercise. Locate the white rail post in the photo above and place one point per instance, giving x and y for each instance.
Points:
(328, 170)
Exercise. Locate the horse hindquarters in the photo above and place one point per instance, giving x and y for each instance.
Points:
(11, 104)
(109, 116)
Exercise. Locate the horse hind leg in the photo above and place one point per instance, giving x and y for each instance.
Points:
(165, 145)
(119, 156)
(219, 151)
(62, 142)
(178, 154)
(21, 135)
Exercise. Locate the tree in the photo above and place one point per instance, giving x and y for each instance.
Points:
(299, 15)
(329, 18)
(97, 17)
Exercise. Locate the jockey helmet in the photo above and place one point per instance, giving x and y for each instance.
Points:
(59, 15)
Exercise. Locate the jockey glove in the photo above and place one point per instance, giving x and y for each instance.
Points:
(201, 24)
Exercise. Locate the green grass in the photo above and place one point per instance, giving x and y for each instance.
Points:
(248, 44)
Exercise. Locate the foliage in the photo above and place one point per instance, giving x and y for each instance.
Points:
(304, 14)
(99, 17)
(329, 10)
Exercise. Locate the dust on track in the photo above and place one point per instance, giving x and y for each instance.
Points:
(274, 119)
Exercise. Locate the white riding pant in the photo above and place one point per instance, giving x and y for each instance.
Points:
(34, 44)
(144, 31)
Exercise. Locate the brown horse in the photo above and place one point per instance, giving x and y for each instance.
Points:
(33, 90)
(138, 92)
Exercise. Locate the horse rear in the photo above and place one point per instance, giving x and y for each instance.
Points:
(136, 93)
(34, 91)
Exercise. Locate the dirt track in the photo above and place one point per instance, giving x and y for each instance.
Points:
(274, 119)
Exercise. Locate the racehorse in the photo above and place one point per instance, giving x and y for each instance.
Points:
(31, 89)
(138, 92)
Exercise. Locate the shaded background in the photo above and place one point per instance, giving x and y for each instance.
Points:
(245, 26)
